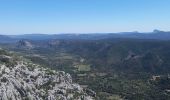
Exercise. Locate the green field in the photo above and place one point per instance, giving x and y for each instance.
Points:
(83, 68)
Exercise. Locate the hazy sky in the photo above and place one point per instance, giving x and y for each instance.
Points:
(83, 16)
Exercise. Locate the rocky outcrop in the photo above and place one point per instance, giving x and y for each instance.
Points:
(27, 81)
(4, 58)
(25, 44)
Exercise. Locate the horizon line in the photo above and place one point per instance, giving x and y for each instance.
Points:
(77, 33)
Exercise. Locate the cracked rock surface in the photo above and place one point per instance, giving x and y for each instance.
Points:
(26, 81)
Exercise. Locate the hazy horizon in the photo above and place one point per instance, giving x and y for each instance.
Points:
(88, 16)
(87, 33)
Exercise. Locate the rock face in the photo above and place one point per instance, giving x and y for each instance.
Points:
(5, 58)
(25, 44)
(26, 81)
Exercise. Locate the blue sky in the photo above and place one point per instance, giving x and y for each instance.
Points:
(83, 16)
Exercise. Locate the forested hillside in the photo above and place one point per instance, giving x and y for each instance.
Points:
(132, 69)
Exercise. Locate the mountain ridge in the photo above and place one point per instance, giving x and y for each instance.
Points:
(156, 34)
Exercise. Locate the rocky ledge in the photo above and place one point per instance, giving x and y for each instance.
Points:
(26, 81)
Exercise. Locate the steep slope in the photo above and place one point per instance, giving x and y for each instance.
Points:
(22, 80)
(24, 44)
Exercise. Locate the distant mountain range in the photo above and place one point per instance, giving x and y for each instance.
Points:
(156, 34)
(6, 39)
